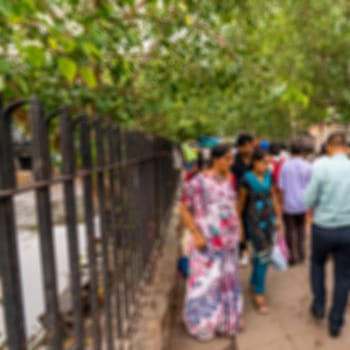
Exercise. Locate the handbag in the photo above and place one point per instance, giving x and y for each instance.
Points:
(281, 242)
(280, 253)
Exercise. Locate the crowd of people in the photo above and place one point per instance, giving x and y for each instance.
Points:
(234, 207)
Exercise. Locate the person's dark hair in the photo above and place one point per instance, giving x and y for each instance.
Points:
(258, 155)
(220, 151)
(337, 139)
(323, 150)
(296, 148)
(274, 149)
(283, 146)
(243, 139)
(308, 149)
(200, 161)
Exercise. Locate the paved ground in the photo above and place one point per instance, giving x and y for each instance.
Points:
(288, 327)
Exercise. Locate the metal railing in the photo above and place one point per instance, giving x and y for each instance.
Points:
(131, 180)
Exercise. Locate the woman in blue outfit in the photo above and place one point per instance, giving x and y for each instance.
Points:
(262, 212)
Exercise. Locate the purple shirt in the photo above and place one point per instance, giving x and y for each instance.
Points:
(294, 179)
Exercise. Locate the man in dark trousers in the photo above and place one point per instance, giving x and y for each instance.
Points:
(241, 165)
(292, 183)
(328, 195)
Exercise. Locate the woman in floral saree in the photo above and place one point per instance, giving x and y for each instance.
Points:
(213, 302)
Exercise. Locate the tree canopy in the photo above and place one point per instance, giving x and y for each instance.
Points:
(183, 68)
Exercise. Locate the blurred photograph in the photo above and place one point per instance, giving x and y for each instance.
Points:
(174, 174)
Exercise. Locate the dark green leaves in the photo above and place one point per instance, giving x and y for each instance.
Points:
(183, 68)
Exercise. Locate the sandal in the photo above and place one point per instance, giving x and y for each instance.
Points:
(241, 326)
(233, 345)
(260, 305)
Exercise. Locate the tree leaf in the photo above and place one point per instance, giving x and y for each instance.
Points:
(182, 6)
(88, 76)
(52, 43)
(107, 78)
(24, 86)
(68, 44)
(91, 50)
(5, 66)
(2, 83)
(35, 56)
(189, 20)
(68, 68)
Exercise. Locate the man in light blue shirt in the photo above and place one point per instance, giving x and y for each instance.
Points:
(293, 181)
(329, 196)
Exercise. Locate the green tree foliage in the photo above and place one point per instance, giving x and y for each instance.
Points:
(183, 68)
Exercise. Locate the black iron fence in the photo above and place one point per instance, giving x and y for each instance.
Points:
(128, 183)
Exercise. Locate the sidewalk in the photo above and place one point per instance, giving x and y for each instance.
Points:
(289, 325)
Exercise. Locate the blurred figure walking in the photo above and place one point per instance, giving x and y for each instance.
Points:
(328, 194)
(277, 161)
(293, 181)
(258, 205)
(213, 303)
(242, 164)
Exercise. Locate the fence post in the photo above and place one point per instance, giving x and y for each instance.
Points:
(42, 173)
(68, 168)
(157, 185)
(129, 237)
(122, 223)
(9, 260)
(101, 162)
(85, 149)
(113, 159)
(132, 183)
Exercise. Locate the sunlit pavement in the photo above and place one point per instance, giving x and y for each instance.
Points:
(289, 325)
